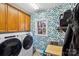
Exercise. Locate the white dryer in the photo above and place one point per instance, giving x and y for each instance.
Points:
(27, 44)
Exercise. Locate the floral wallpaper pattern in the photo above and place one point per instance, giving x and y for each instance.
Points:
(52, 15)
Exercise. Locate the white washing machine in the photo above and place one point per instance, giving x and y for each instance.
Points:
(10, 44)
(16, 44)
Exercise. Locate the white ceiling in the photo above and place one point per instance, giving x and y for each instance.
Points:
(29, 9)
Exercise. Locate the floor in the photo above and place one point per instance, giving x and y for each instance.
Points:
(36, 54)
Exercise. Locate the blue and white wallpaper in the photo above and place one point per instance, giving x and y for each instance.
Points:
(52, 15)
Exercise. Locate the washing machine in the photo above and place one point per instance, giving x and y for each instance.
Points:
(16, 44)
(27, 44)
(10, 44)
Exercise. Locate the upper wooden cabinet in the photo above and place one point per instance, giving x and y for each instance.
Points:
(24, 22)
(21, 21)
(27, 23)
(3, 18)
(12, 21)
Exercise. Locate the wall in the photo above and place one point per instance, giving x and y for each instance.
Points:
(52, 15)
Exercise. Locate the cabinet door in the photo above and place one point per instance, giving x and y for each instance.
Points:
(2, 18)
(21, 21)
(12, 22)
(27, 23)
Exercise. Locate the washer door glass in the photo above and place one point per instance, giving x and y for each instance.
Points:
(27, 42)
(10, 47)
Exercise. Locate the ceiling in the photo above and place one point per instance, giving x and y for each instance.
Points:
(26, 7)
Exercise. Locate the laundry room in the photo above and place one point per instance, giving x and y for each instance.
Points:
(39, 29)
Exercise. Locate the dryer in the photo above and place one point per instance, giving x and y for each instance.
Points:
(27, 44)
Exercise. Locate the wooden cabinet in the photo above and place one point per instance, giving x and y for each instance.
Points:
(12, 21)
(21, 21)
(24, 22)
(2, 17)
(27, 23)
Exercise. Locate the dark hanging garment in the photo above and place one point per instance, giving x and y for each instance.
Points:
(71, 43)
(64, 18)
(67, 41)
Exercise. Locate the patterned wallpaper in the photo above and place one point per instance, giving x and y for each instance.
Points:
(52, 15)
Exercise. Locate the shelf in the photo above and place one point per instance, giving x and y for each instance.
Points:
(62, 28)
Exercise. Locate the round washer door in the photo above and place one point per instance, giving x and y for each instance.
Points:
(10, 47)
(27, 42)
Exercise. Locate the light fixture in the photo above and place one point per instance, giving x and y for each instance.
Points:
(34, 6)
